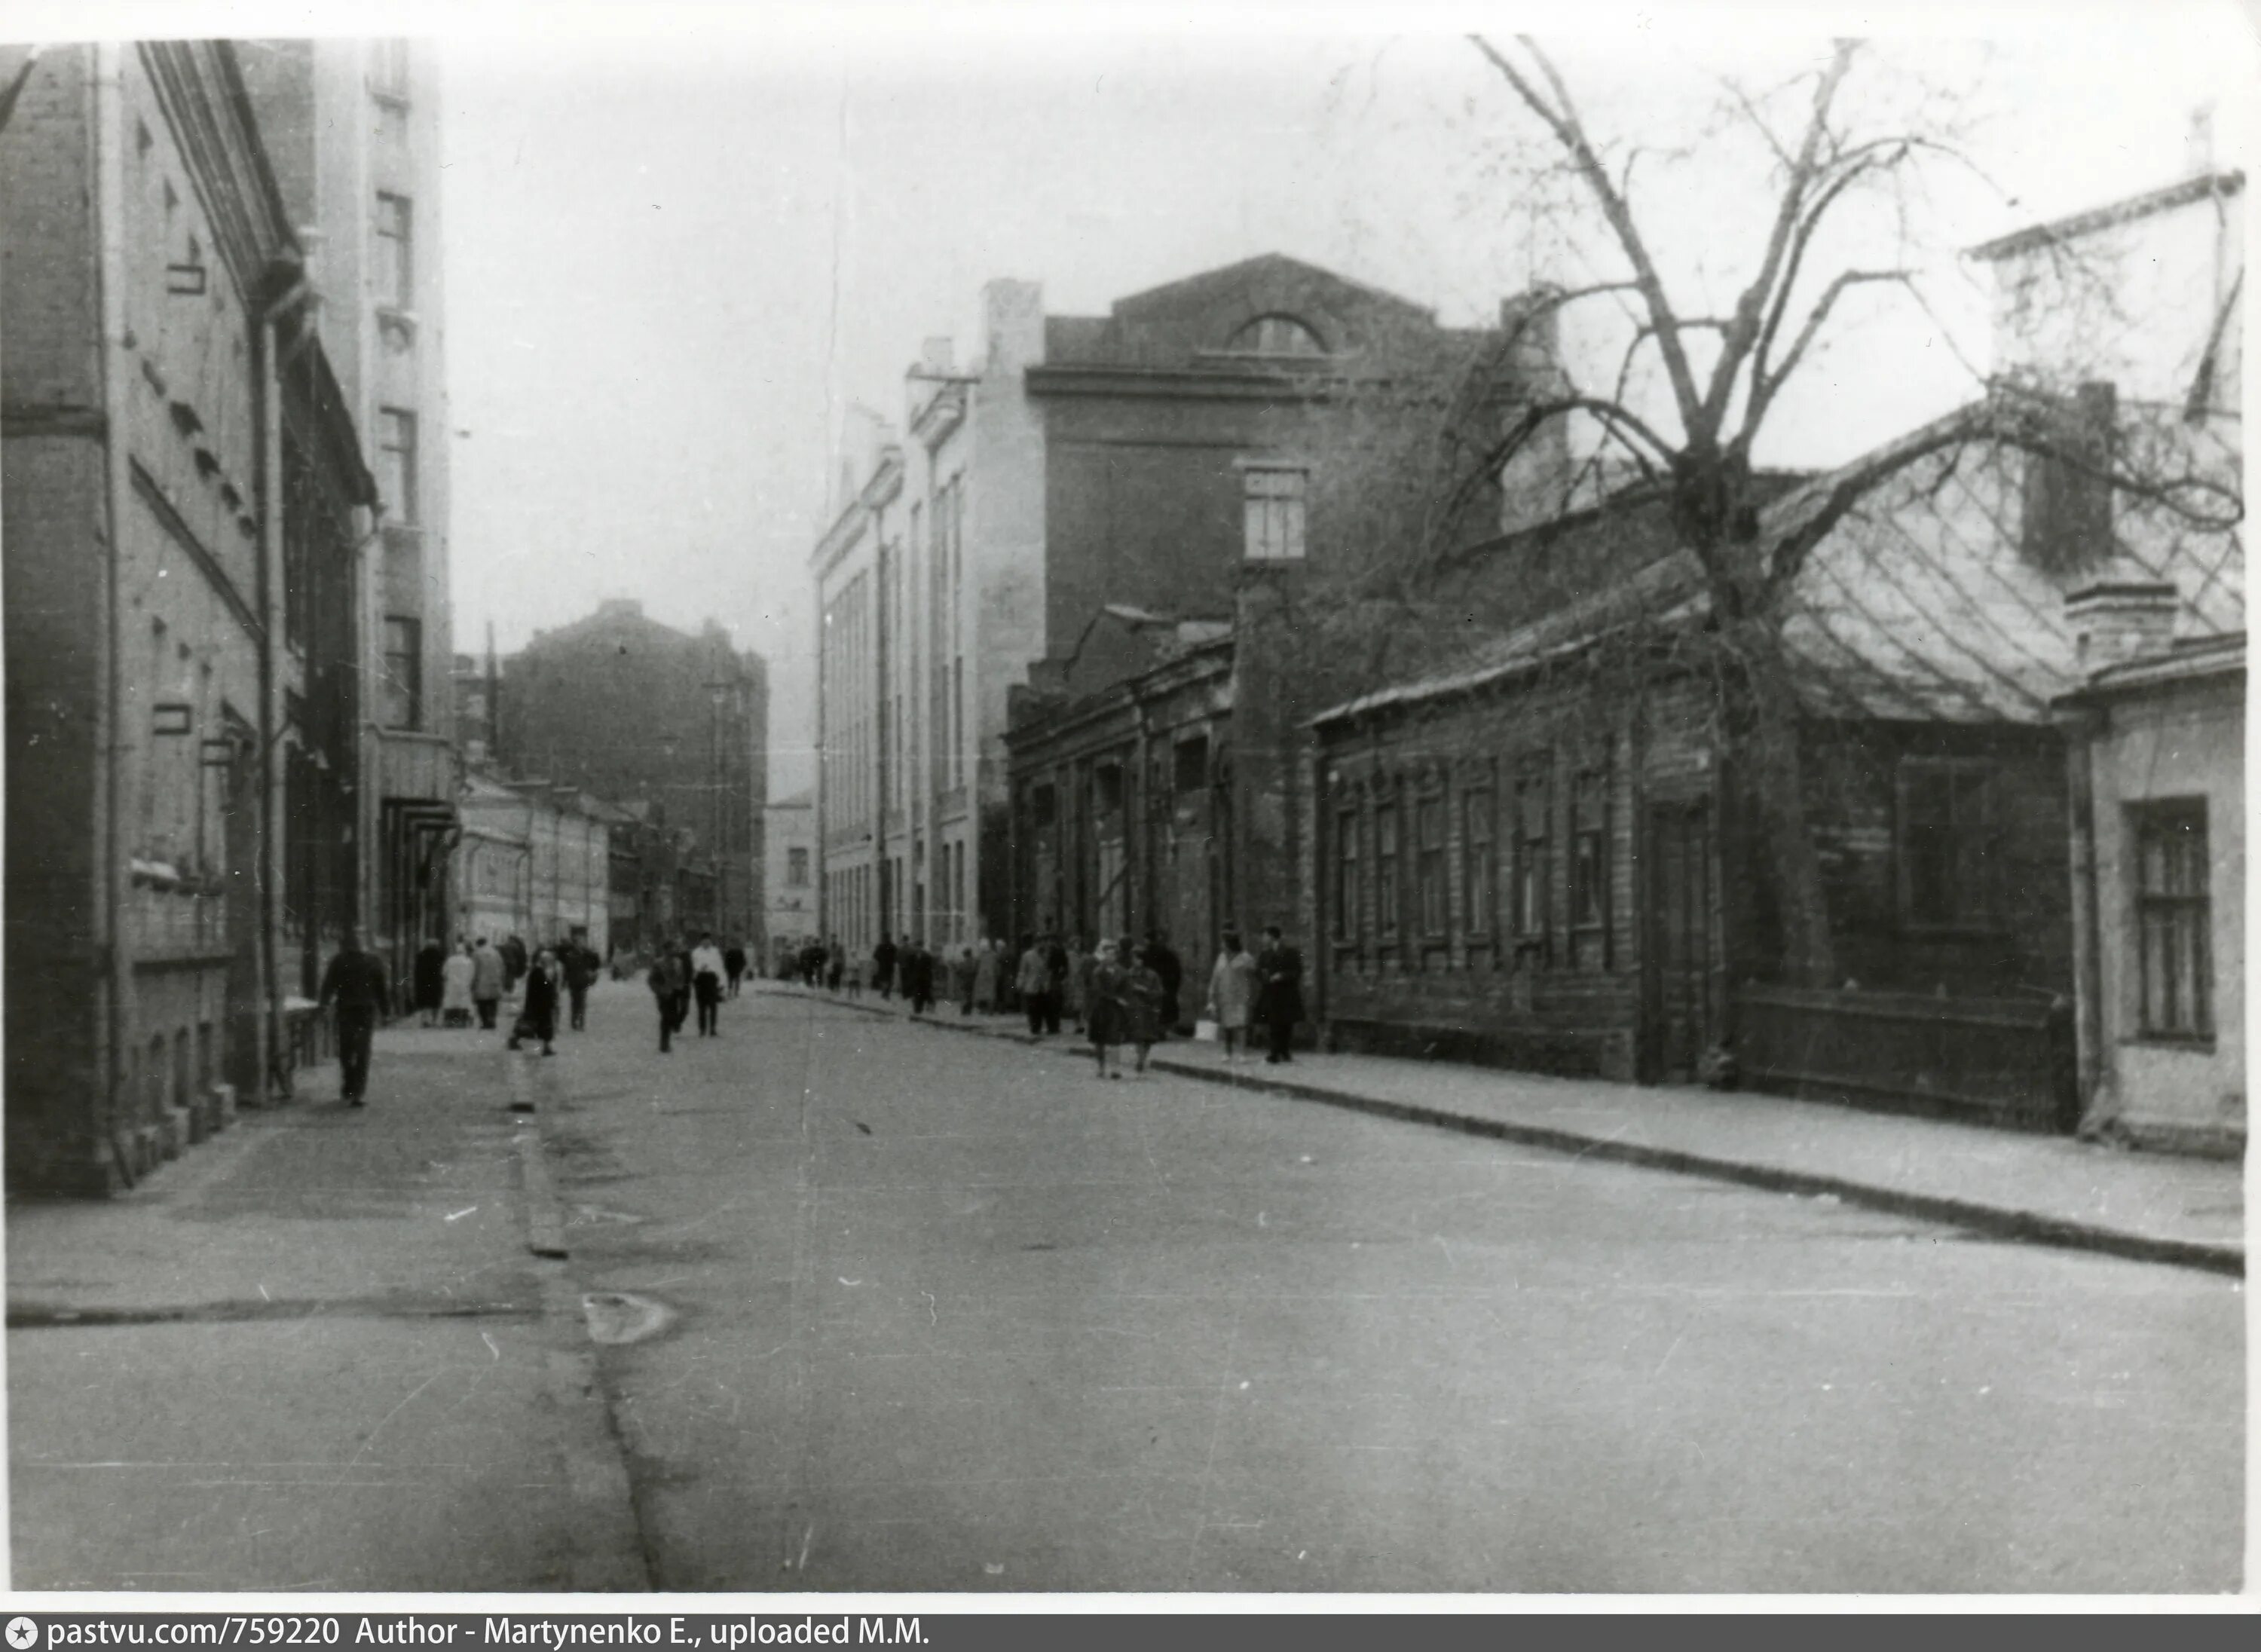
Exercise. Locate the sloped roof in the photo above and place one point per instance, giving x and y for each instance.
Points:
(1917, 606)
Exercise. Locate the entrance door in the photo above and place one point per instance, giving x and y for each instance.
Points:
(1682, 1019)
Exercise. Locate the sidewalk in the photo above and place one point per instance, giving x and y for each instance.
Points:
(2044, 1189)
(318, 1352)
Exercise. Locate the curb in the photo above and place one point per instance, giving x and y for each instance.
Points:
(2032, 1227)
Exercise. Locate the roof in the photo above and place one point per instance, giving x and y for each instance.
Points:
(1918, 607)
(2194, 659)
(2204, 186)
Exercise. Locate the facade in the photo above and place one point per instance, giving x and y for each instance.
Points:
(185, 498)
(668, 725)
(2158, 878)
(1158, 459)
(789, 883)
(352, 127)
(534, 861)
(1539, 857)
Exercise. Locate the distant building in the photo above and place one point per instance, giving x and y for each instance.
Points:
(789, 881)
(533, 861)
(659, 722)
(1159, 459)
(184, 492)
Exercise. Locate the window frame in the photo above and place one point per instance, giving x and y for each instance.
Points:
(1590, 915)
(1274, 511)
(407, 680)
(396, 266)
(1433, 893)
(1350, 887)
(1961, 915)
(2181, 825)
(396, 456)
(1389, 919)
(1479, 861)
(1531, 899)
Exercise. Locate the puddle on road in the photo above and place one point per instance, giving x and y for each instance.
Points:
(616, 1317)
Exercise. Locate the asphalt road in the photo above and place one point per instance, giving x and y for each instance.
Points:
(892, 1308)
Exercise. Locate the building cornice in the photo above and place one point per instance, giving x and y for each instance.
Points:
(1215, 384)
(943, 411)
(2204, 186)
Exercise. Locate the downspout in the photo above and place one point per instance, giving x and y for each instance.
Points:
(266, 397)
(114, 963)
(2080, 729)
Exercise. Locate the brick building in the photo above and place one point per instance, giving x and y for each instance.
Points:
(534, 861)
(352, 128)
(664, 723)
(1161, 459)
(184, 493)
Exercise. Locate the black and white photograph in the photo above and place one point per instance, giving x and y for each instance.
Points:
(1152, 803)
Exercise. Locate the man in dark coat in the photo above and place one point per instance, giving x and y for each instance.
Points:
(665, 980)
(734, 965)
(580, 966)
(537, 1015)
(431, 961)
(514, 964)
(355, 985)
(1279, 993)
(1165, 963)
(883, 967)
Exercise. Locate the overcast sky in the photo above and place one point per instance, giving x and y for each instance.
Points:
(678, 241)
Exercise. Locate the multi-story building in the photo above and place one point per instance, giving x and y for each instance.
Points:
(185, 499)
(789, 885)
(352, 128)
(534, 861)
(1160, 460)
(657, 720)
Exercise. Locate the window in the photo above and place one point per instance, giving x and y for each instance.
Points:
(1043, 807)
(401, 693)
(1272, 505)
(1276, 335)
(388, 67)
(1589, 867)
(1531, 808)
(1385, 868)
(394, 269)
(2173, 915)
(796, 868)
(1479, 860)
(1946, 839)
(1429, 863)
(1107, 788)
(396, 463)
(1192, 767)
(1346, 889)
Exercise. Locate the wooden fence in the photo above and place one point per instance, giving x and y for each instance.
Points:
(2006, 1061)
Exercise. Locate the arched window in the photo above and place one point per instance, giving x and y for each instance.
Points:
(1276, 335)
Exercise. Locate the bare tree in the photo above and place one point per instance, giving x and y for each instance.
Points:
(1723, 380)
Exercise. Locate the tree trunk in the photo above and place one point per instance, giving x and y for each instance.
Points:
(1774, 763)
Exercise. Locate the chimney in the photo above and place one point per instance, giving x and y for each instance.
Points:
(2067, 518)
(1013, 326)
(938, 356)
(2198, 144)
(1532, 482)
(2125, 614)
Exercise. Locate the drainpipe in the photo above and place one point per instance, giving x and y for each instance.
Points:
(2080, 729)
(267, 399)
(113, 958)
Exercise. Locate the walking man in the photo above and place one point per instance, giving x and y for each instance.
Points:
(355, 985)
(665, 980)
(883, 967)
(733, 965)
(537, 1015)
(707, 984)
(488, 971)
(580, 966)
(1279, 993)
(1034, 982)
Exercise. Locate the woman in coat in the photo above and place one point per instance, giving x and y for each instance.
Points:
(1106, 1010)
(987, 966)
(456, 987)
(1232, 994)
(537, 1018)
(1144, 1000)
